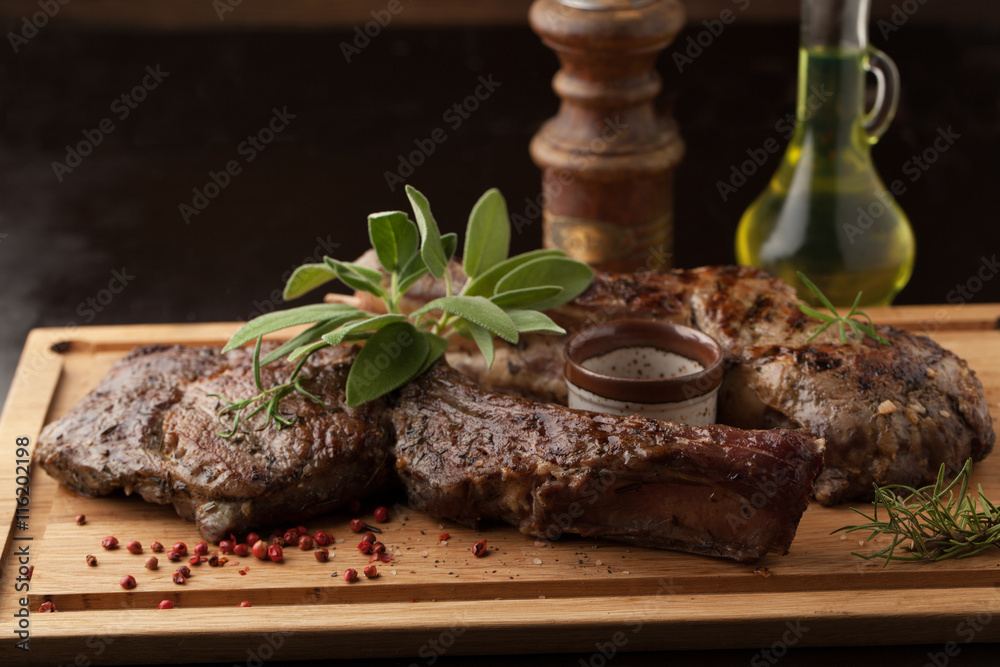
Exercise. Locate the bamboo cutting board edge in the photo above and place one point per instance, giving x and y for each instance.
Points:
(573, 622)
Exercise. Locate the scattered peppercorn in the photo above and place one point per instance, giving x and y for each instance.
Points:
(378, 548)
(322, 555)
(134, 547)
(226, 547)
(180, 548)
(245, 603)
(213, 561)
(165, 604)
(278, 540)
(173, 556)
(152, 563)
(241, 550)
(109, 542)
(80, 519)
(321, 538)
(46, 607)
(253, 538)
(350, 574)
(195, 559)
(260, 549)
(155, 546)
(305, 542)
(127, 582)
(179, 578)
(274, 553)
(91, 561)
(201, 548)
(479, 549)
(303, 530)
(185, 570)
(357, 525)
(371, 571)
(444, 536)
(365, 547)
(369, 537)
(381, 514)
(291, 536)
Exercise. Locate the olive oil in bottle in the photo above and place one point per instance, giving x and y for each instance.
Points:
(826, 212)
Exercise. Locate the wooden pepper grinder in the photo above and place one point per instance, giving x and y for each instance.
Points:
(607, 161)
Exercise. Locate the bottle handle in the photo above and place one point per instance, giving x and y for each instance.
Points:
(877, 120)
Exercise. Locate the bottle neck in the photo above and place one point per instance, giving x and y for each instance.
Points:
(835, 24)
(831, 91)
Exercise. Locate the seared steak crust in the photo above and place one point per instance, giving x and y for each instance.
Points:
(468, 455)
(151, 427)
(464, 453)
(888, 414)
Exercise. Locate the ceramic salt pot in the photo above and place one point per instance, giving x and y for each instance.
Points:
(653, 368)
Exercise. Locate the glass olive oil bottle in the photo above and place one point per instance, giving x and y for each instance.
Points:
(826, 212)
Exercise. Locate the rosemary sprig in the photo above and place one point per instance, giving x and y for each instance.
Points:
(267, 400)
(934, 522)
(860, 329)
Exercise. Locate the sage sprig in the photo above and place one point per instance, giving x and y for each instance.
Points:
(860, 329)
(502, 297)
(932, 523)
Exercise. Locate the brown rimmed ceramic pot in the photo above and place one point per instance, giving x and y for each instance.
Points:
(648, 367)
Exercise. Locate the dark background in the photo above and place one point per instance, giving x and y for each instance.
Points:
(60, 242)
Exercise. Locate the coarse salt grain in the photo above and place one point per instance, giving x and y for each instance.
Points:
(539, 544)
(538, 561)
(887, 408)
(945, 414)
(599, 562)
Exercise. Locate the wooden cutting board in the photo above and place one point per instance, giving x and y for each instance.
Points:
(435, 597)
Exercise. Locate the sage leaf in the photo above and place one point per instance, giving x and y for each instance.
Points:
(477, 310)
(571, 275)
(528, 296)
(358, 277)
(485, 284)
(392, 357)
(484, 341)
(310, 335)
(438, 346)
(370, 324)
(282, 319)
(306, 350)
(532, 321)
(414, 270)
(307, 278)
(449, 243)
(394, 238)
(487, 236)
(430, 246)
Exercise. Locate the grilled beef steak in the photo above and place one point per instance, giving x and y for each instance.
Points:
(889, 414)
(151, 427)
(464, 453)
(467, 454)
